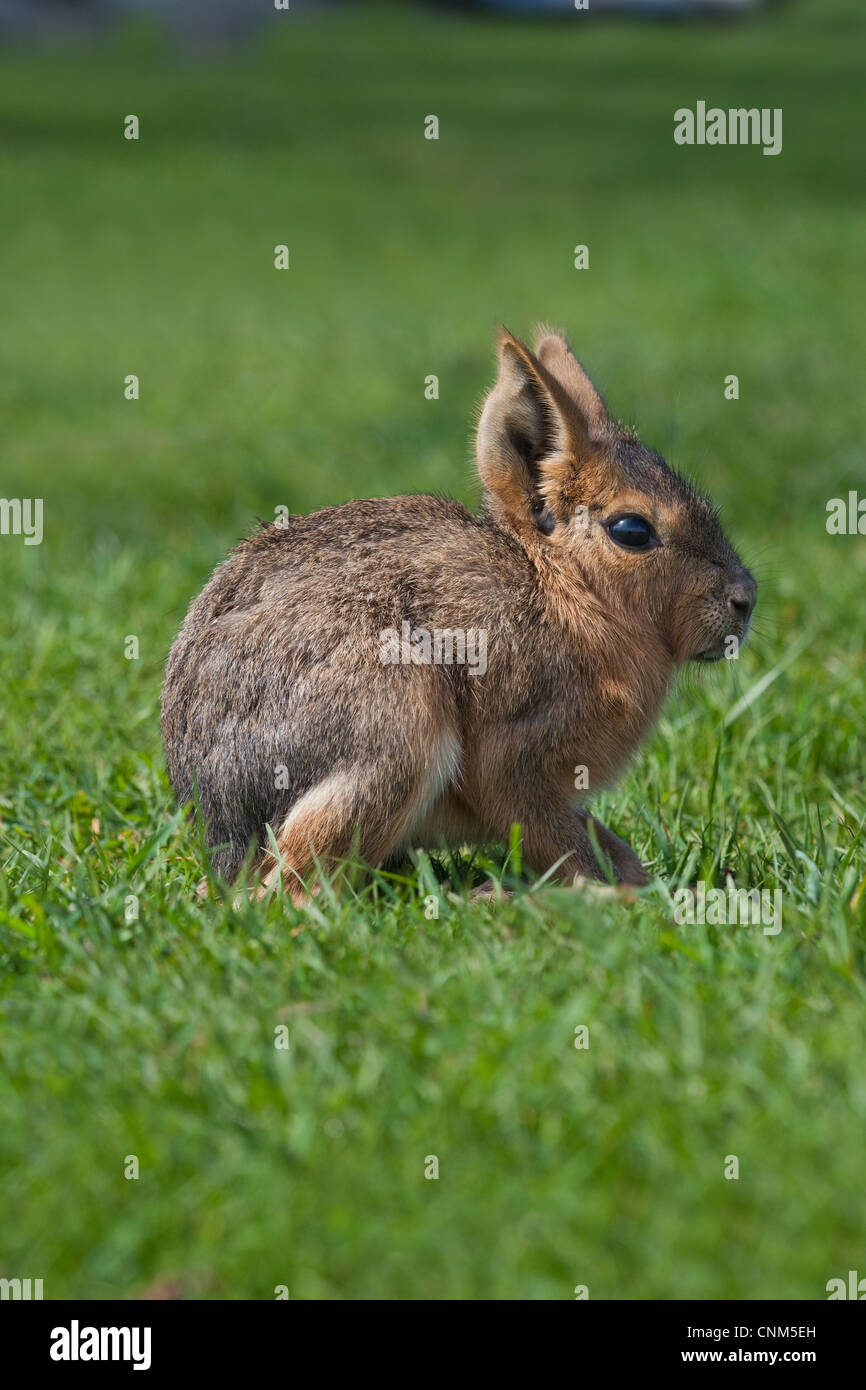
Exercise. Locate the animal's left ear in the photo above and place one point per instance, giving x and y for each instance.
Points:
(522, 440)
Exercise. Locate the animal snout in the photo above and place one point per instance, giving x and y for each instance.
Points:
(742, 591)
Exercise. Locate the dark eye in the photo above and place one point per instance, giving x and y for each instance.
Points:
(632, 532)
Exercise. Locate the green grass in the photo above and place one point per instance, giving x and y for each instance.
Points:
(411, 1037)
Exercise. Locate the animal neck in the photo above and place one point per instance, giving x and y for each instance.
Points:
(626, 662)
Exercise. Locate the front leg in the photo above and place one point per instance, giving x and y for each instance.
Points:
(628, 868)
(556, 834)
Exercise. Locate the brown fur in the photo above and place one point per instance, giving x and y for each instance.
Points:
(278, 662)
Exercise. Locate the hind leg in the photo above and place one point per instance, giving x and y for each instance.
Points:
(368, 808)
(335, 817)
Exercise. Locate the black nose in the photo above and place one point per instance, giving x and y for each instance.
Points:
(741, 595)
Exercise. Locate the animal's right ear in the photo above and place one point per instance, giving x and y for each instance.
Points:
(520, 433)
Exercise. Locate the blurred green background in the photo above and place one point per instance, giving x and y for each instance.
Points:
(259, 388)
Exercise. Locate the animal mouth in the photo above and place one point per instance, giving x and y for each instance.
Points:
(719, 649)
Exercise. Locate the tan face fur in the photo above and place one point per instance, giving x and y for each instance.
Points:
(555, 463)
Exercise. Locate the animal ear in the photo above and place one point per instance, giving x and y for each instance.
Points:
(554, 354)
(521, 434)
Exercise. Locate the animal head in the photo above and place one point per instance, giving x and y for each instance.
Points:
(565, 478)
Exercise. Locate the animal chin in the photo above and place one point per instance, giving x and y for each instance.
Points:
(710, 654)
(715, 651)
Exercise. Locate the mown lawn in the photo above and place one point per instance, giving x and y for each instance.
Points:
(411, 1037)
